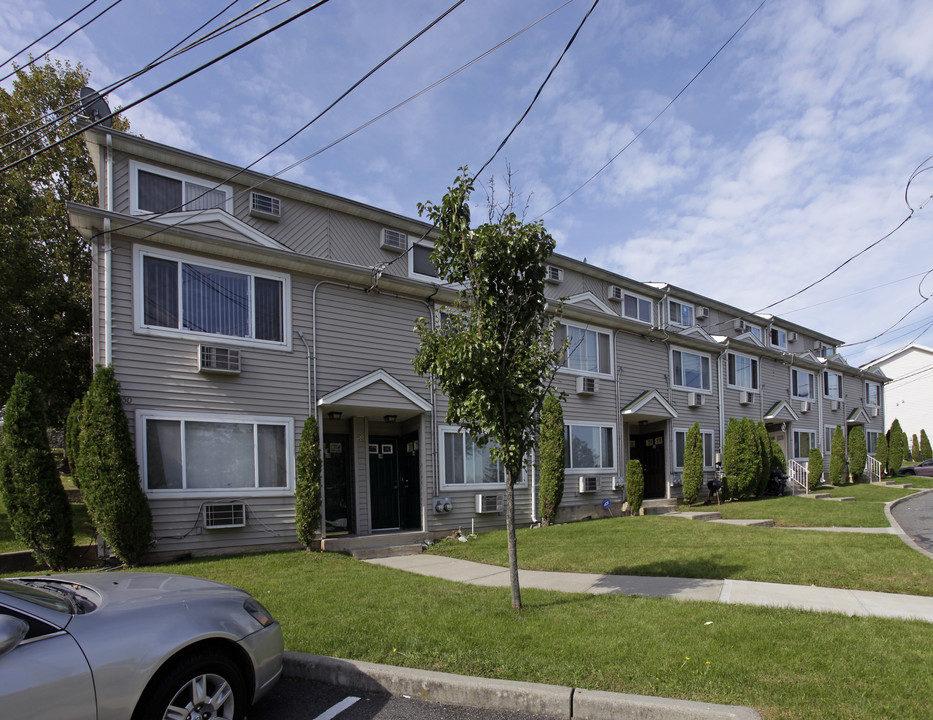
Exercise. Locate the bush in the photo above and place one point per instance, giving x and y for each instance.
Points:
(741, 459)
(897, 447)
(36, 503)
(778, 461)
(551, 458)
(308, 483)
(693, 464)
(881, 453)
(915, 449)
(814, 469)
(858, 452)
(108, 472)
(837, 457)
(72, 433)
(635, 485)
(925, 451)
(764, 447)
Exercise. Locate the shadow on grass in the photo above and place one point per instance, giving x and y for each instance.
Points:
(710, 567)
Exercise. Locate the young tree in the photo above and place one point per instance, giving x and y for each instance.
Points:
(551, 458)
(634, 485)
(881, 452)
(693, 464)
(494, 358)
(814, 469)
(915, 454)
(897, 447)
(926, 452)
(778, 461)
(858, 452)
(764, 447)
(741, 458)
(308, 483)
(108, 472)
(32, 491)
(837, 457)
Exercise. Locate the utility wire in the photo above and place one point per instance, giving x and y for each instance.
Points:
(45, 35)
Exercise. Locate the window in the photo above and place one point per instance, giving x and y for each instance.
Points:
(832, 385)
(463, 462)
(828, 431)
(419, 262)
(213, 454)
(681, 313)
(871, 440)
(155, 190)
(754, 330)
(803, 441)
(680, 443)
(589, 447)
(189, 295)
(779, 338)
(690, 370)
(635, 307)
(743, 372)
(872, 394)
(802, 384)
(589, 351)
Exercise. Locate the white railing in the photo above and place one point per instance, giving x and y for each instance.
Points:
(874, 470)
(798, 476)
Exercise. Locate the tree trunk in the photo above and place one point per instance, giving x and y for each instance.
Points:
(513, 546)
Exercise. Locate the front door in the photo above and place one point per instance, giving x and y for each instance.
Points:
(384, 483)
(648, 449)
(338, 485)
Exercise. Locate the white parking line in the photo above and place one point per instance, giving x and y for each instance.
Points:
(337, 709)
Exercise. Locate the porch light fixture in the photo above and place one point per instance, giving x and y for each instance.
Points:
(334, 415)
(390, 418)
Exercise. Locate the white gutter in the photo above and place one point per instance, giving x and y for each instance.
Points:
(108, 251)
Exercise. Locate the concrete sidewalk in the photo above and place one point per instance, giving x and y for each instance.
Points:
(736, 592)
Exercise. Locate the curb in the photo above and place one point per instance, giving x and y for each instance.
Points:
(898, 530)
(493, 694)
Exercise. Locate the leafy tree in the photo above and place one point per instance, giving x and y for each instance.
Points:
(308, 483)
(898, 448)
(778, 461)
(915, 449)
(634, 485)
(38, 508)
(693, 464)
(926, 452)
(858, 452)
(814, 469)
(45, 266)
(551, 458)
(108, 472)
(72, 432)
(741, 458)
(494, 358)
(881, 452)
(764, 447)
(837, 457)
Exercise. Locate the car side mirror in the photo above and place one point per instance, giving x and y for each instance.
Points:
(12, 632)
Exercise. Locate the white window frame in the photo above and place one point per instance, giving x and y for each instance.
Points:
(812, 383)
(139, 326)
(826, 393)
(682, 433)
(568, 458)
(638, 299)
(828, 431)
(756, 371)
(871, 440)
(755, 330)
(780, 334)
(427, 245)
(136, 166)
(795, 442)
(677, 382)
(682, 307)
(868, 400)
(565, 358)
(474, 487)
(142, 416)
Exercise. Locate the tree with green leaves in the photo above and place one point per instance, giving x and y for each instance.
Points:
(778, 460)
(915, 454)
(551, 458)
(814, 469)
(308, 483)
(494, 357)
(881, 452)
(693, 464)
(45, 266)
(858, 452)
(764, 447)
(898, 448)
(837, 457)
(926, 452)
(741, 459)
(108, 472)
(634, 485)
(36, 503)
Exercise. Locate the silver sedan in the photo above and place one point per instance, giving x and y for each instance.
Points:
(138, 646)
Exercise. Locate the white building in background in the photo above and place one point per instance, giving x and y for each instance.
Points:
(909, 395)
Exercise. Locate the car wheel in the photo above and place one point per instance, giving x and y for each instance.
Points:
(908, 472)
(206, 686)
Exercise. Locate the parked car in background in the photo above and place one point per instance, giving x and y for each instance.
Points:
(924, 468)
(140, 646)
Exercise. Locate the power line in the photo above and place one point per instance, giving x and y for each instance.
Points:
(46, 34)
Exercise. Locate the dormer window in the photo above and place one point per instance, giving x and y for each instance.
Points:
(681, 313)
(155, 190)
(779, 338)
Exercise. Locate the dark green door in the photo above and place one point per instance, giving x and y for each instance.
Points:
(648, 449)
(338, 485)
(410, 482)
(384, 483)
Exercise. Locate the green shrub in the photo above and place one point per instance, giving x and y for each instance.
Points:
(778, 461)
(72, 434)
(741, 459)
(108, 472)
(693, 464)
(915, 449)
(551, 458)
(764, 447)
(837, 457)
(897, 447)
(881, 453)
(814, 469)
(926, 452)
(635, 485)
(858, 452)
(36, 503)
(308, 483)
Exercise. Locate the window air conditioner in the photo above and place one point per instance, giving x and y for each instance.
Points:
(587, 386)
(218, 359)
(589, 484)
(791, 337)
(702, 312)
(615, 293)
(488, 503)
(874, 412)
(738, 324)
(804, 406)
(554, 274)
(224, 515)
(695, 399)
(393, 240)
(834, 405)
(265, 206)
(745, 397)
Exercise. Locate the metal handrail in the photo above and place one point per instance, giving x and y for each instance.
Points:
(798, 475)
(874, 469)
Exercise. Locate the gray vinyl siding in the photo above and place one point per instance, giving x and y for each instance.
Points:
(121, 183)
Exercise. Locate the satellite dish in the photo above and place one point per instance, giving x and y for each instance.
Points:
(94, 107)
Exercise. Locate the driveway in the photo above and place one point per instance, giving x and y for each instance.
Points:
(915, 516)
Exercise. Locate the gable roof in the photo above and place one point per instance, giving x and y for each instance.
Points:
(216, 216)
(650, 402)
(591, 302)
(375, 394)
(781, 410)
(858, 415)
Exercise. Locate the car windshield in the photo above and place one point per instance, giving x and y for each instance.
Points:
(62, 597)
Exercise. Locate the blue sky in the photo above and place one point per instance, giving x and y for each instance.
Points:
(787, 155)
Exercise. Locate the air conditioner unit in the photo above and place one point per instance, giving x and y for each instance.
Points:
(702, 312)
(589, 484)
(738, 324)
(875, 412)
(587, 385)
(265, 206)
(393, 240)
(488, 503)
(745, 397)
(224, 515)
(834, 405)
(218, 359)
(615, 293)
(695, 399)
(791, 337)
(554, 274)
(804, 406)
(618, 483)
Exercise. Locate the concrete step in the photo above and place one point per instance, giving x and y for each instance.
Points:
(747, 523)
(697, 515)
(841, 499)
(659, 507)
(368, 553)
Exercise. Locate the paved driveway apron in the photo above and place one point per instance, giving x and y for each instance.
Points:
(915, 516)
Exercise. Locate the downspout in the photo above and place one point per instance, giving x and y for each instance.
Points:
(312, 398)
(108, 251)
(308, 351)
(722, 396)
(618, 383)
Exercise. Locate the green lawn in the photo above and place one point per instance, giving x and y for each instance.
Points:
(83, 529)
(788, 664)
